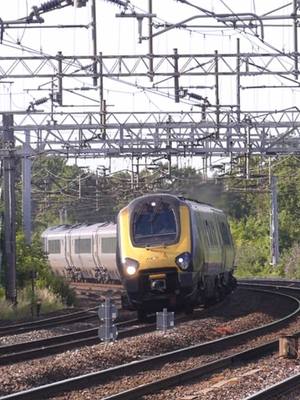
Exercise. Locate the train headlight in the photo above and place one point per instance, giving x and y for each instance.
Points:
(130, 266)
(183, 261)
(131, 270)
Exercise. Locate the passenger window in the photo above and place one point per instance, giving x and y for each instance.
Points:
(83, 246)
(54, 246)
(108, 245)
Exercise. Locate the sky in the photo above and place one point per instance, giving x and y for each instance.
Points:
(120, 36)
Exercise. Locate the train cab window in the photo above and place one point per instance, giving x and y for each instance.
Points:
(154, 224)
(54, 246)
(211, 234)
(207, 234)
(108, 245)
(83, 246)
(225, 234)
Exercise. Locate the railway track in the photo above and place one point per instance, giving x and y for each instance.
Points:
(58, 344)
(51, 322)
(276, 391)
(97, 290)
(14, 353)
(96, 286)
(137, 367)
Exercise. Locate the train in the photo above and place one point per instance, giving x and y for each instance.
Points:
(173, 253)
(82, 252)
(167, 250)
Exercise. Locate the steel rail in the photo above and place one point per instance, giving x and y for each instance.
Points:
(197, 372)
(273, 286)
(278, 389)
(48, 322)
(271, 282)
(96, 378)
(12, 354)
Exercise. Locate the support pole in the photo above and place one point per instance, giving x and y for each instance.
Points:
(217, 94)
(205, 168)
(94, 39)
(97, 191)
(137, 173)
(61, 216)
(9, 208)
(238, 85)
(248, 151)
(150, 33)
(274, 223)
(169, 147)
(65, 215)
(102, 101)
(60, 79)
(103, 119)
(26, 194)
(132, 174)
(295, 27)
(176, 76)
(101, 92)
(79, 186)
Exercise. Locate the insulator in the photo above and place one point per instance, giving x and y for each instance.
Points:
(41, 101)
(119, 2)
(50, 5)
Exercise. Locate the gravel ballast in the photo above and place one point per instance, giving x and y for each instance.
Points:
(233, 383)
(238, 313)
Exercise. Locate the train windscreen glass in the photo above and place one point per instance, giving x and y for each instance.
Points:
(154, 223)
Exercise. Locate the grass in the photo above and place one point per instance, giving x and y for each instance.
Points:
(49, 302)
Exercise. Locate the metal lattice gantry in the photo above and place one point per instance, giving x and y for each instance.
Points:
(222, 125)
(149, 134)
(122, 66)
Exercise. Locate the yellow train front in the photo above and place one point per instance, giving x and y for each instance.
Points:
(173, 252)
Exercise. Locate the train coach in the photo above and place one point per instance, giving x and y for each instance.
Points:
(82, 252)
(173, 252)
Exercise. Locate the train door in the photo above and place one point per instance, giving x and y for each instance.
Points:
(108, 243)
(223, 252)
(214, 251)
(227, 244)
(68, 254)
(201, 247)
(206, 242)
(83, 251)
(98, 248)
(95, 253)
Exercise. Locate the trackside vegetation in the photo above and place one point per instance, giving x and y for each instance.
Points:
(50, 291)
(63, 193)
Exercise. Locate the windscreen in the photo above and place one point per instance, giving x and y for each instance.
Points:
(155, 223)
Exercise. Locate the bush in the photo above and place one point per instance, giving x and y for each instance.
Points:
(60, 288)
(32, 259)
(251, 260)
(49, 302)
(290, 262)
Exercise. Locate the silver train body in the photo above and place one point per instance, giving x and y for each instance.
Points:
(82, 252)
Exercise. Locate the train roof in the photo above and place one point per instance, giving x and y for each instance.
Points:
(203, 206)
(177, 198)
(61, 230)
